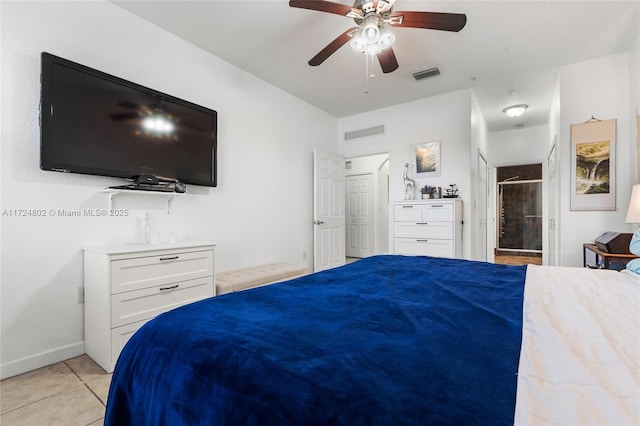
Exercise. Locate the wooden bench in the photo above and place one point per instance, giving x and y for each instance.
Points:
(255, 276)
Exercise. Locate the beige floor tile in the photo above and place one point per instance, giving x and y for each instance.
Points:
(97, 423)
(19, 391)
(77, 406)
(100, 386)
(91, 374)
(85, 367)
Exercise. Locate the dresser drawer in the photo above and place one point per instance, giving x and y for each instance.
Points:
(149, 271)
(424, 212)
(424, 247)
(408, 213)
(437, 212)
(121, 335)
(146, 303)
(442, 230)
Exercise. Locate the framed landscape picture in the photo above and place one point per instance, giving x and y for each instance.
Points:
(593, 161)
(426, 158)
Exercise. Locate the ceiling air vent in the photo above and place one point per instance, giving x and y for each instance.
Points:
(371, 131)
(420, 75)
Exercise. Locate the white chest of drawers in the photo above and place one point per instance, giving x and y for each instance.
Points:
(127, 285)
(428, 227)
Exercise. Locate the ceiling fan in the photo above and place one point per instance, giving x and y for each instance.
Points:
(372, 35)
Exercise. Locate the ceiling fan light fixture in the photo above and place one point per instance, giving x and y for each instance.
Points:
(371, 34)
(371, 28)
(372, 37)
(358, 43)
(362, 44)
(515, 110)
(386, 38)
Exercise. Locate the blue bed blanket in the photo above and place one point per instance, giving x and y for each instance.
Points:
(386, 340)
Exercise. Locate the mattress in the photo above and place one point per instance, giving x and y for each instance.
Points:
(580, 355)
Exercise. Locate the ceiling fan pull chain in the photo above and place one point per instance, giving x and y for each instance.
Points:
(371, 75)
(366, 74)
(368, 58)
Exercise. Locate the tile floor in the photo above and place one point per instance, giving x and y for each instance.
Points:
(73, 392)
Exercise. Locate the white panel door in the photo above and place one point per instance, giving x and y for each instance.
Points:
(329, 211)
(360, 196)
(483, 199)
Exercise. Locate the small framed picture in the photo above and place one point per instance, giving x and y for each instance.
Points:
(426, 159)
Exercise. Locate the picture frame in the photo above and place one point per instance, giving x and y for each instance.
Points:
(426, 159)
(593, 165)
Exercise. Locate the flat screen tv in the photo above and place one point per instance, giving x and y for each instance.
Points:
(95, 123)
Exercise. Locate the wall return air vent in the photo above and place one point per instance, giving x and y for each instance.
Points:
(362, 133)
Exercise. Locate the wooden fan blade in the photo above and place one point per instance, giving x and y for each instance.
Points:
(324, 6)
(388, 61)
(429, 20)
(332, 47)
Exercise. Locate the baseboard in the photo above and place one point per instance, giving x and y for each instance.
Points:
(43, 359)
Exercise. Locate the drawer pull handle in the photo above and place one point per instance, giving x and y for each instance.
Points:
(407, 207)
(164, 259)
(422, 241)
(422, 223)
(169, 288)
(437, 205)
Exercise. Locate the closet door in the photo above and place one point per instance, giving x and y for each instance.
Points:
(360, 229)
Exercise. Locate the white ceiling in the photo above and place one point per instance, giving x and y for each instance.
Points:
(506, 46)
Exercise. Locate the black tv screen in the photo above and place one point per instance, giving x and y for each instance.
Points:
(99, 124)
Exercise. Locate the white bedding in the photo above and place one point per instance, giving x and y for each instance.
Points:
(580, 356)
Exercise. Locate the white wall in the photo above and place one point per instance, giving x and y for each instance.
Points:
(634, 101)
(260, 212)
(445, 118)
(519, 146)
(598, 88)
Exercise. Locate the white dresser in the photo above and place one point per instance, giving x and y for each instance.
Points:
(429, 227)
(127, 285)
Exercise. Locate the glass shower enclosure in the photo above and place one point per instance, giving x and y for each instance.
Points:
(520, 212)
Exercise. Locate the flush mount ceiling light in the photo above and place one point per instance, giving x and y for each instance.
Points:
(515, 110)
